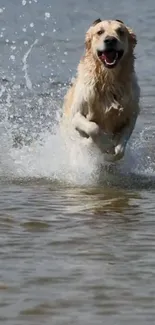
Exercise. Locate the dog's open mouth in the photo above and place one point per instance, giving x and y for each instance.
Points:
(110, 58)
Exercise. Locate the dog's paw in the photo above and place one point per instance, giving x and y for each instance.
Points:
(87, 141)
(119, 152)
(93, 129)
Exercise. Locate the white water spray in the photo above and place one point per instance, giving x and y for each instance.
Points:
(25, 66)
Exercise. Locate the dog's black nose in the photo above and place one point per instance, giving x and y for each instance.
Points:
(110, 41)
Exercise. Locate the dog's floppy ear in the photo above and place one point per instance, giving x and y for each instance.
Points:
(132, 37)
(88, 39)
(97, 21)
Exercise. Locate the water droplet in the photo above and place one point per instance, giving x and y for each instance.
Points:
(40, 101)
(26, 43)
(23, 2)
(12, 57)
(16, 87)
(32, 25)
(24, 30)
(47, 15)
(42, 34)
(1, 10)
(13, 47)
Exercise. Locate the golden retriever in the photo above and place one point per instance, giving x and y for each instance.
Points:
(102, 104)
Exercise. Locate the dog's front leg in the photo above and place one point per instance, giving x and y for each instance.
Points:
(92, 131)
(84, 126)
(124, 137)
(104, 142)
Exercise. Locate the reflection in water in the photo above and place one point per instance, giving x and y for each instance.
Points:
(99, 200)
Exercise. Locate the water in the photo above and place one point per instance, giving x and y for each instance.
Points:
(77, 244)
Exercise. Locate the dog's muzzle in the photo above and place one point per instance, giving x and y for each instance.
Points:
(110, 56)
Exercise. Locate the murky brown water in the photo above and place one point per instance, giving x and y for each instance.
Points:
(82, 253)
(76, 255)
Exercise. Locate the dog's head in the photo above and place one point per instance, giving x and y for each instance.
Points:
(110, 41)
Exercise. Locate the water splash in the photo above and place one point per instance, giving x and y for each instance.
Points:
(2, 90)
(25, 65)
(31, 145)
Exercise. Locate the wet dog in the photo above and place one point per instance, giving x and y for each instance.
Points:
(102, 104)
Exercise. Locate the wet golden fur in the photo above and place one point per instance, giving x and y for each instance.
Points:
(105, 101)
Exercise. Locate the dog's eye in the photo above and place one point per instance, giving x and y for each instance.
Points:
(120, 31)
(100, 32)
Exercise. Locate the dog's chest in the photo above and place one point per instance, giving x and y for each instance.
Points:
(109, 113)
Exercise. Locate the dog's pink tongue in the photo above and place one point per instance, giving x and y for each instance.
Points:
(109, 56)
